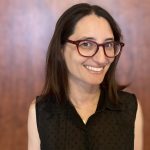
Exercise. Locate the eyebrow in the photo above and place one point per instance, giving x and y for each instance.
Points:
(109, 39)
(87, 38)
(92, 38)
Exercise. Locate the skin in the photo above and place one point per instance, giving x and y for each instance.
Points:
(98, 30)
(84, 83)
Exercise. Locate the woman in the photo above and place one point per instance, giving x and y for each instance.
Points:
(81, 107)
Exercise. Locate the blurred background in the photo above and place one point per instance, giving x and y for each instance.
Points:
(26, 27)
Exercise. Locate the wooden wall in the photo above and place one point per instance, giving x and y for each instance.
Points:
(26, 27)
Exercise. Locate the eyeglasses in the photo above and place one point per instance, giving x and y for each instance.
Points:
(88, 48)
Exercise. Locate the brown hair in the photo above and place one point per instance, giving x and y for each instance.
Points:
(56, 81)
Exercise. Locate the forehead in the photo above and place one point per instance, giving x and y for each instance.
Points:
(92, 26)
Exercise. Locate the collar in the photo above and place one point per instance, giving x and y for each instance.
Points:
(105, 103)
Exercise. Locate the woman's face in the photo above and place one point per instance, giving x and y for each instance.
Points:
(88, 70)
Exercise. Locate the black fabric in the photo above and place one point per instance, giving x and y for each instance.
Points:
(111, 127)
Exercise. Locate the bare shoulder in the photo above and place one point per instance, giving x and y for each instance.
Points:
(32, 112)
(139, 128)
(32, 106)
(139, 115)
(33, 136)
(139, 107)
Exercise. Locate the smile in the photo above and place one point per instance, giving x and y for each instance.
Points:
(95, 69)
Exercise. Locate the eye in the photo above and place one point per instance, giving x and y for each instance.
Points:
(87, 44)
(109, 45)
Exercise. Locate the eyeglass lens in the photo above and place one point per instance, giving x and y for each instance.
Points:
(89, 48)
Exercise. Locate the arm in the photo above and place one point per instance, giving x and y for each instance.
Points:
(33, 136)
(138, 141)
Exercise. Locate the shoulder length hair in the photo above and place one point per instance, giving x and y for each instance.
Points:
(56, 80)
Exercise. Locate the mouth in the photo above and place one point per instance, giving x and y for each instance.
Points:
(94, 69)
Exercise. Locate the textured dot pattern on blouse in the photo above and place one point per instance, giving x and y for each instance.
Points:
(111, 127)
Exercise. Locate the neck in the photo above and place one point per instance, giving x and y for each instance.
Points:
(83, 94)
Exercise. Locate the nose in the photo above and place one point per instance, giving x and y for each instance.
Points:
(100, 56)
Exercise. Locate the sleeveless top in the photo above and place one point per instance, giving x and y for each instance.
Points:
(111, 127)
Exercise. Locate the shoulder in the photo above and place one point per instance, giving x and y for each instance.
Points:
(129, 102)
(126, 95)
(32, 108)
(46, 104)
(33, 136)
(128, 99)
(139, 128)
(47, 107)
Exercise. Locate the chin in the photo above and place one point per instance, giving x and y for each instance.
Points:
(95, 82)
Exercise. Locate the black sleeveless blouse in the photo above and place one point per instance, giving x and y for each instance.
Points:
(111, 127)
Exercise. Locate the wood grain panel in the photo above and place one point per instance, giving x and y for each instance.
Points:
(25, 30)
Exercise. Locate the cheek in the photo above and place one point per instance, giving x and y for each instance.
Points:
(110, 63)
(70, 59)
(111, 60)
